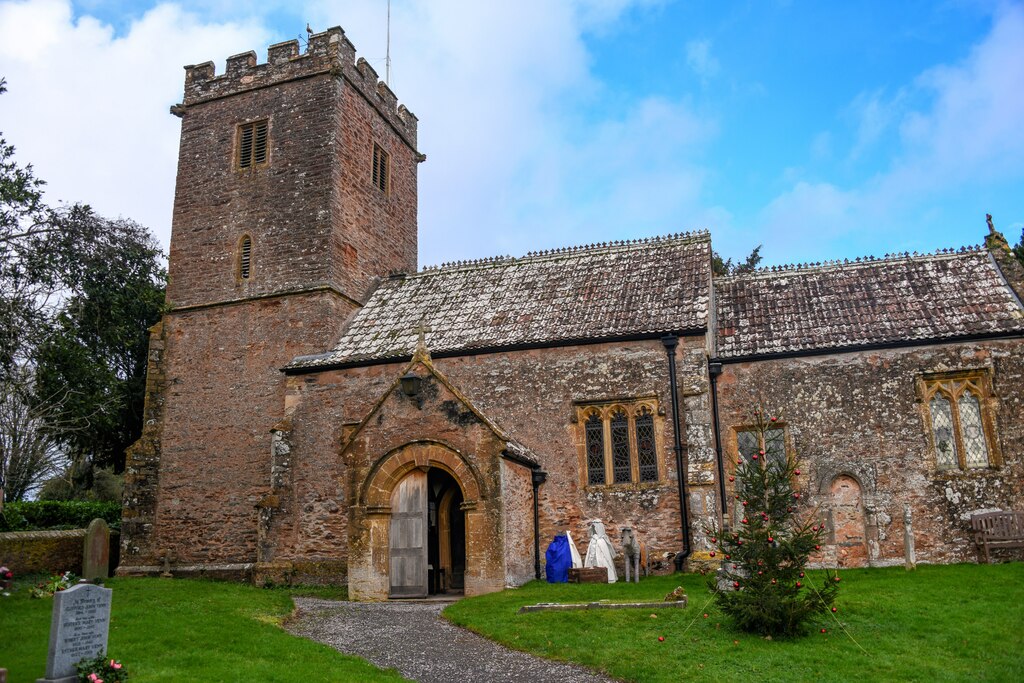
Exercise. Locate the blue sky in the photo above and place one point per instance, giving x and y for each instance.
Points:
(823, 130)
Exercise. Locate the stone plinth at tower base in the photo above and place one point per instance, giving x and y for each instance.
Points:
(78, 630)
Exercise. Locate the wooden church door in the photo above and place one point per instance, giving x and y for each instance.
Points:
(408, 537)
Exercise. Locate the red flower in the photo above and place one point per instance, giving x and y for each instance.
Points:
(796, 471)
(753, 457)
(798, 584)
(745, 521)
(796, 495)
(771, 540)
(836, 579)
(744, 503)
(712, 553)
(823, 631)
(834, 610)
(735, 584)
(732, 478)
(817, 547)
(775, 419)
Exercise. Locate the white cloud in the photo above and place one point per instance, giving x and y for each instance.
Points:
(700, 59)
(968, 135)
(89, 108)
(502, 91)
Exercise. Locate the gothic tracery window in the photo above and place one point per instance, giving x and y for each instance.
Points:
(620, 443)
(595, 450)
(961, 425)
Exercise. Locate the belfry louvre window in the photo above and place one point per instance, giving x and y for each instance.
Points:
(619, 442)
(253, 139)
(960, 420)
(381, 169)
(244, 257)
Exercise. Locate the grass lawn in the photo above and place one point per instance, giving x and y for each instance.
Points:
(182, 630)
(961, 622)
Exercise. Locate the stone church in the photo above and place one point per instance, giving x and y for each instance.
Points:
(319, 409)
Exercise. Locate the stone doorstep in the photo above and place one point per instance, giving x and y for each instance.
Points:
(571, 607)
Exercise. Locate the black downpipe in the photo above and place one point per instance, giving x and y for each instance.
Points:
(714, 370)
(537, 477)
(671, 342)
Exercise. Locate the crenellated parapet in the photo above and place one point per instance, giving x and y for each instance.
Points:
(329, 52)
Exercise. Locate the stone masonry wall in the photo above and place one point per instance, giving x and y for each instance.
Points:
(517, 523)
(532, 395)
(859, 414)
(223, 395)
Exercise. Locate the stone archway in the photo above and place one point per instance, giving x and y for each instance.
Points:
(371, 544)
(848, 522)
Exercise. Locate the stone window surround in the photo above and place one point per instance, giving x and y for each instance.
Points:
(733, 437)
(632, 407)
(952, 385)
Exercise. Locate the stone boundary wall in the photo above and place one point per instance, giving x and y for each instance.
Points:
(38, 552)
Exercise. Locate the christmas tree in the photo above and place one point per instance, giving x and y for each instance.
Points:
(762, 584)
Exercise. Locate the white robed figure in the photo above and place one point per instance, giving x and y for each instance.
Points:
(577, 561)
(600, 552)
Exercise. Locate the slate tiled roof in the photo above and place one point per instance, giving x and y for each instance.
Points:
(602, 291)
(907, 298)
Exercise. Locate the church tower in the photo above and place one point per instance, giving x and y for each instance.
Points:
(296, 191)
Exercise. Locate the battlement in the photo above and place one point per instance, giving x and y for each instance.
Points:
(329, 52)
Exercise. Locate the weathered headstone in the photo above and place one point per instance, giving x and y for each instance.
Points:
(96, 557)
(78, 630)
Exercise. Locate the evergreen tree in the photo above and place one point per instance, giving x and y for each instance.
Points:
(762, 585)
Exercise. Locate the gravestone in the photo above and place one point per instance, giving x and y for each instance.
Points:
(78, 630)
(96, 554)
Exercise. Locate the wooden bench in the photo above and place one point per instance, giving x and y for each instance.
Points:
(998, 530)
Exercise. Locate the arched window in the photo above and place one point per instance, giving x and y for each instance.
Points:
(647, 455)
(244, 257)
(621, 468)
(961, 423)
(595, 450)
(620, 443)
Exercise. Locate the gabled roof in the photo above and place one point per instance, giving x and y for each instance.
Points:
(874, 301)
(650, 286)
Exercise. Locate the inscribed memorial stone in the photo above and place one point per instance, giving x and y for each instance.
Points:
(78, 629)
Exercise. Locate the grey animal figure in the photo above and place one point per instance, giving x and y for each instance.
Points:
(631, 551)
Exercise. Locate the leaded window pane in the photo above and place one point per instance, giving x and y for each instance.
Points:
(646, 454)
(775, 445)
(620, 448)
(942, 432)
(748, 443)
(595, 450)
(975, 448)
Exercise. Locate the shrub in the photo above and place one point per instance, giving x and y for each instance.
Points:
(53, 514)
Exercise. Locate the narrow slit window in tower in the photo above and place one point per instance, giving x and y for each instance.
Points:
(381, 168)
(245, 258)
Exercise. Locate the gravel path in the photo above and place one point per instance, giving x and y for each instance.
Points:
(413, 638)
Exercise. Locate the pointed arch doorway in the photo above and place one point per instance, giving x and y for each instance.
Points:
(427, 535)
